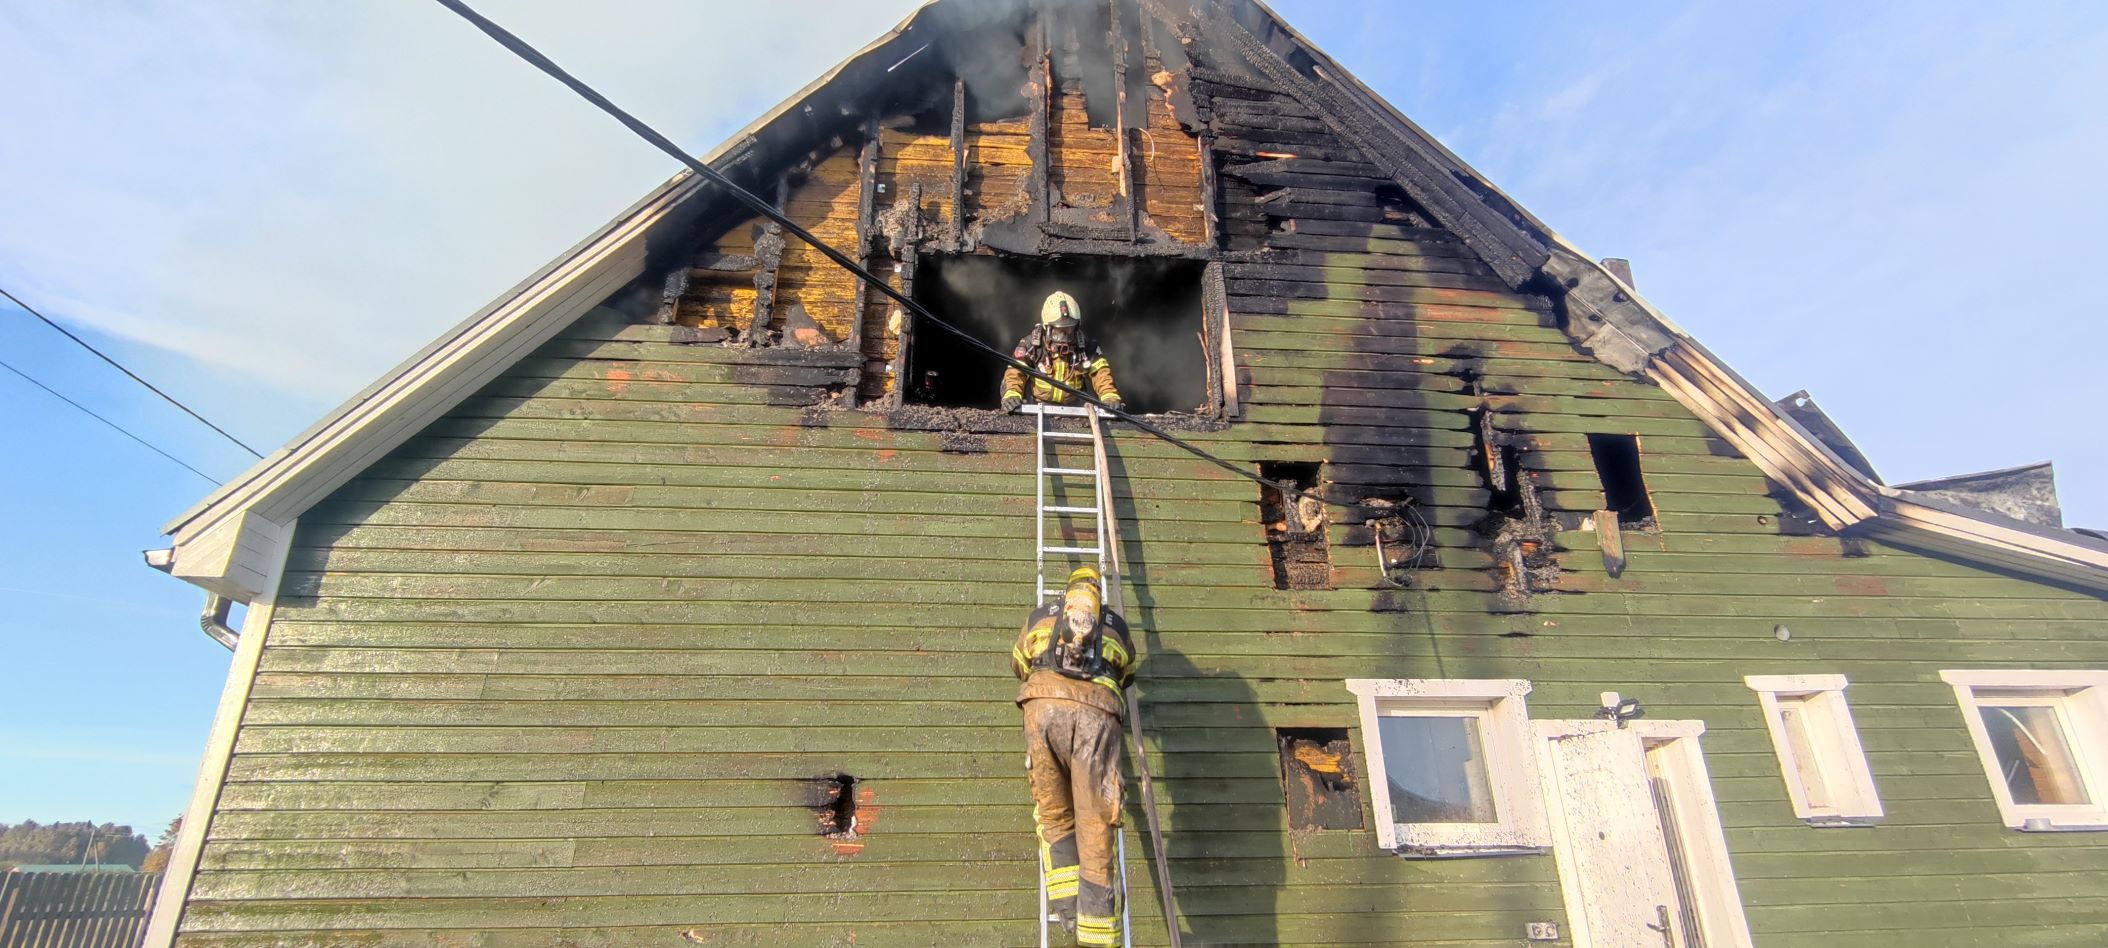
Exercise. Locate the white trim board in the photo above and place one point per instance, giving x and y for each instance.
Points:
(1847, 794)
(212, 768)
(1509, 757)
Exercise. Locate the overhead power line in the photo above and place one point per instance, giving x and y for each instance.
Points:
(119, 428)
(83, 343)
(765, 208)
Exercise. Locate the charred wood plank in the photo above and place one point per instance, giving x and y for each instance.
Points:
(1363, 229)
(910, 251)
(955, 222)
(1270, 118)
(1440, 246)
(1124, 160)
(1337, 212)
(768, 253)
(670, 298)
(1229, 144)
(1245, 83)
(711, 264)
(866, 225)
(1297, 179)
(1454, 277)
(1283, 289)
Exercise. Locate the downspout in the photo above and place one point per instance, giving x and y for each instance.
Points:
(213, 618)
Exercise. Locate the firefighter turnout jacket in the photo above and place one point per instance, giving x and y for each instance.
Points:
(1083, 367)
(1096, 672)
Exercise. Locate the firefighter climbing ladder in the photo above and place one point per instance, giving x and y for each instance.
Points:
(1106, 550)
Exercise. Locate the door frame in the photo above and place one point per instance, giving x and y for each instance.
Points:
(1718, 907)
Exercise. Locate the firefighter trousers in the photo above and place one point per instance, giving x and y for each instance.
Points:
(1072, 755)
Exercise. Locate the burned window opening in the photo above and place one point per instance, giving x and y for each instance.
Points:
(835, 806)
(1295, 527)
(1617, 458)
(1317, 773)
(1145, 314)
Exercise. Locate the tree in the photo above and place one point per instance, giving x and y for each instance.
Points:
(31, 843)
(157, 860)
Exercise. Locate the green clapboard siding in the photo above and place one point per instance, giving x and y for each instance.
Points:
(565, 666)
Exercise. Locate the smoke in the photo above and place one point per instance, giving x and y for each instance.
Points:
(1144, 313)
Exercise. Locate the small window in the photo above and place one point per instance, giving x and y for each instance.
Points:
(2041, 736)
(1825, 767)
(1295, 526)
(1617, 458)
(1453, 763)
(1317, 770)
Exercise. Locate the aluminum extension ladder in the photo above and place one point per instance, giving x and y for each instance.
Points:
(1047, 466)
(1046, 442)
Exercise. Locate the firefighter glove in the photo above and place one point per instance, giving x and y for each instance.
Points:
(1012, 401)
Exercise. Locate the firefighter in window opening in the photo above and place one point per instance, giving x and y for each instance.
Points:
(1058, 349)
(1075, 658)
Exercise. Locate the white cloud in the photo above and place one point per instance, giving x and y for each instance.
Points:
(309, 192)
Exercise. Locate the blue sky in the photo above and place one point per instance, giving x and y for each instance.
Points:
(263, 206)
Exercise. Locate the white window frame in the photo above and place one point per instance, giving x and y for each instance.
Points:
(1511, 764)
(1840, 762)
(2081, 700)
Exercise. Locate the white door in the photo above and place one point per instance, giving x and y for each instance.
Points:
(1642, 860)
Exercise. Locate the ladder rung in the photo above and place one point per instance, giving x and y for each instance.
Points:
(1070, 549)
(1078, 471)
(1088, 510)
(1070, 435)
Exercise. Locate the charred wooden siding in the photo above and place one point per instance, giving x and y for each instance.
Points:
(583, 660)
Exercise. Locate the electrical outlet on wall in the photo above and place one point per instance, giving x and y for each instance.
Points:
(1541, 931)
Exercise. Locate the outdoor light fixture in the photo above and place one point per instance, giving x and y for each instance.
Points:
(1620, 709)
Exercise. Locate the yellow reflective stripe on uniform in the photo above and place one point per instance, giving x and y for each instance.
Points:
(1114, 652)
(1063, 883)
(1097, 930)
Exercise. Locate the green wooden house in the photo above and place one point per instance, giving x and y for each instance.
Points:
(666, 600)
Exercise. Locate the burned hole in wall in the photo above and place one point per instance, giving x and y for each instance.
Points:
(1617, 458)
(1295, 526)
(833, 801)
(1144, 314)
(1317, 772)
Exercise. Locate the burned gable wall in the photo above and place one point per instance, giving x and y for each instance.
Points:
(1033, 130)
(644, 641)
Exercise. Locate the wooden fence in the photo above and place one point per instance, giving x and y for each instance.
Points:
(75, 909)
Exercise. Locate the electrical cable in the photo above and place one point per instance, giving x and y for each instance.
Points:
(48, 321)
(119, 428)
(767, 209)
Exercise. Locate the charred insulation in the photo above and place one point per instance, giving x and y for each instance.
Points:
(1317, 774)
(1295, 526)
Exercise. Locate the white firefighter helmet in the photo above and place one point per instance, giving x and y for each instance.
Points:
(1060, 309)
